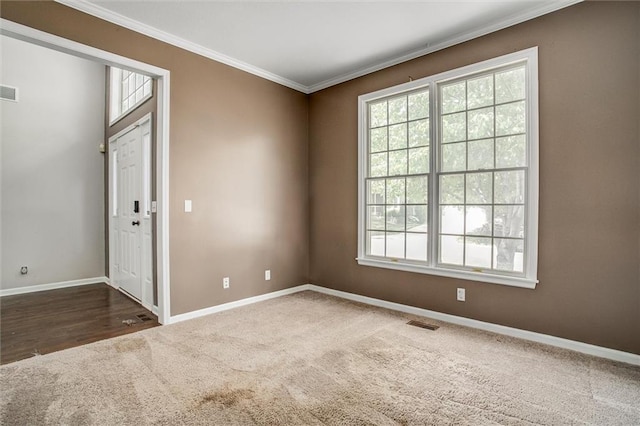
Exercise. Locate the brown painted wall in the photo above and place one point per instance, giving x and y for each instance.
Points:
(239, 149)
(589, 57)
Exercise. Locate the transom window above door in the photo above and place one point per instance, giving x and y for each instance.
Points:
(127, 91)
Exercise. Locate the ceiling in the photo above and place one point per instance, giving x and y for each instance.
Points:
(310, 45)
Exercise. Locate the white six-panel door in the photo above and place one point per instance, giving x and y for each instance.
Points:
(130, 212)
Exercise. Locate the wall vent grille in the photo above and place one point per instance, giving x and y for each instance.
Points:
(8, 93)
(423, 325)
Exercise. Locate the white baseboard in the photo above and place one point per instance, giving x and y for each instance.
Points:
(113, 284)
(148, 306)
(52, 286)
(243, 302)
(559, 342)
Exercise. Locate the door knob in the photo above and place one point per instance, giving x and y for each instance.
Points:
(136, 223)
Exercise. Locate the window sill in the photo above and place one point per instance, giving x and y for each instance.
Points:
(451, 273)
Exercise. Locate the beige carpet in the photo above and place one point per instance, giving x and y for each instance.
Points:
(311, 359)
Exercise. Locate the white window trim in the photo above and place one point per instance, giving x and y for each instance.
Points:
(531, 263)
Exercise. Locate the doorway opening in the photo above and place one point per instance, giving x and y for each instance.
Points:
(160, 127)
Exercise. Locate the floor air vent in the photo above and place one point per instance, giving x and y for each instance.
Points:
(8, 93)
(423, 325)
(143, 317)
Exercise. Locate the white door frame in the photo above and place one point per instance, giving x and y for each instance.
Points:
(31, 35)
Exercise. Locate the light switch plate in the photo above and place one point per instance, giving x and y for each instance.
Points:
(187, 206)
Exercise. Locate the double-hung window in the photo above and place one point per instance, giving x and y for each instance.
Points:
(448, 173)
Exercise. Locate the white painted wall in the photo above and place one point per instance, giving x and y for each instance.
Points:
(52, 174)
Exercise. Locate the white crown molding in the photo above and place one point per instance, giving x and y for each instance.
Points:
(139, 27)
(115, 18)
(52, 286)
(460, 38)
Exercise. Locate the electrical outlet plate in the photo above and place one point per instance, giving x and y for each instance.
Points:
(461, 295)
(225, 282)
(267, 275)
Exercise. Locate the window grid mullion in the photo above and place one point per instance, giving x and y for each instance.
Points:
(386, 200)
(406, 126)
(464, 222)
(471, 172)
(466, 169)
(493, 180)
(405, 212)
(493, 220)
(432, 217)
(525, 224)
(514, 101)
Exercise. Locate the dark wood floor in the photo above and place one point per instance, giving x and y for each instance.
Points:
(49, 321)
